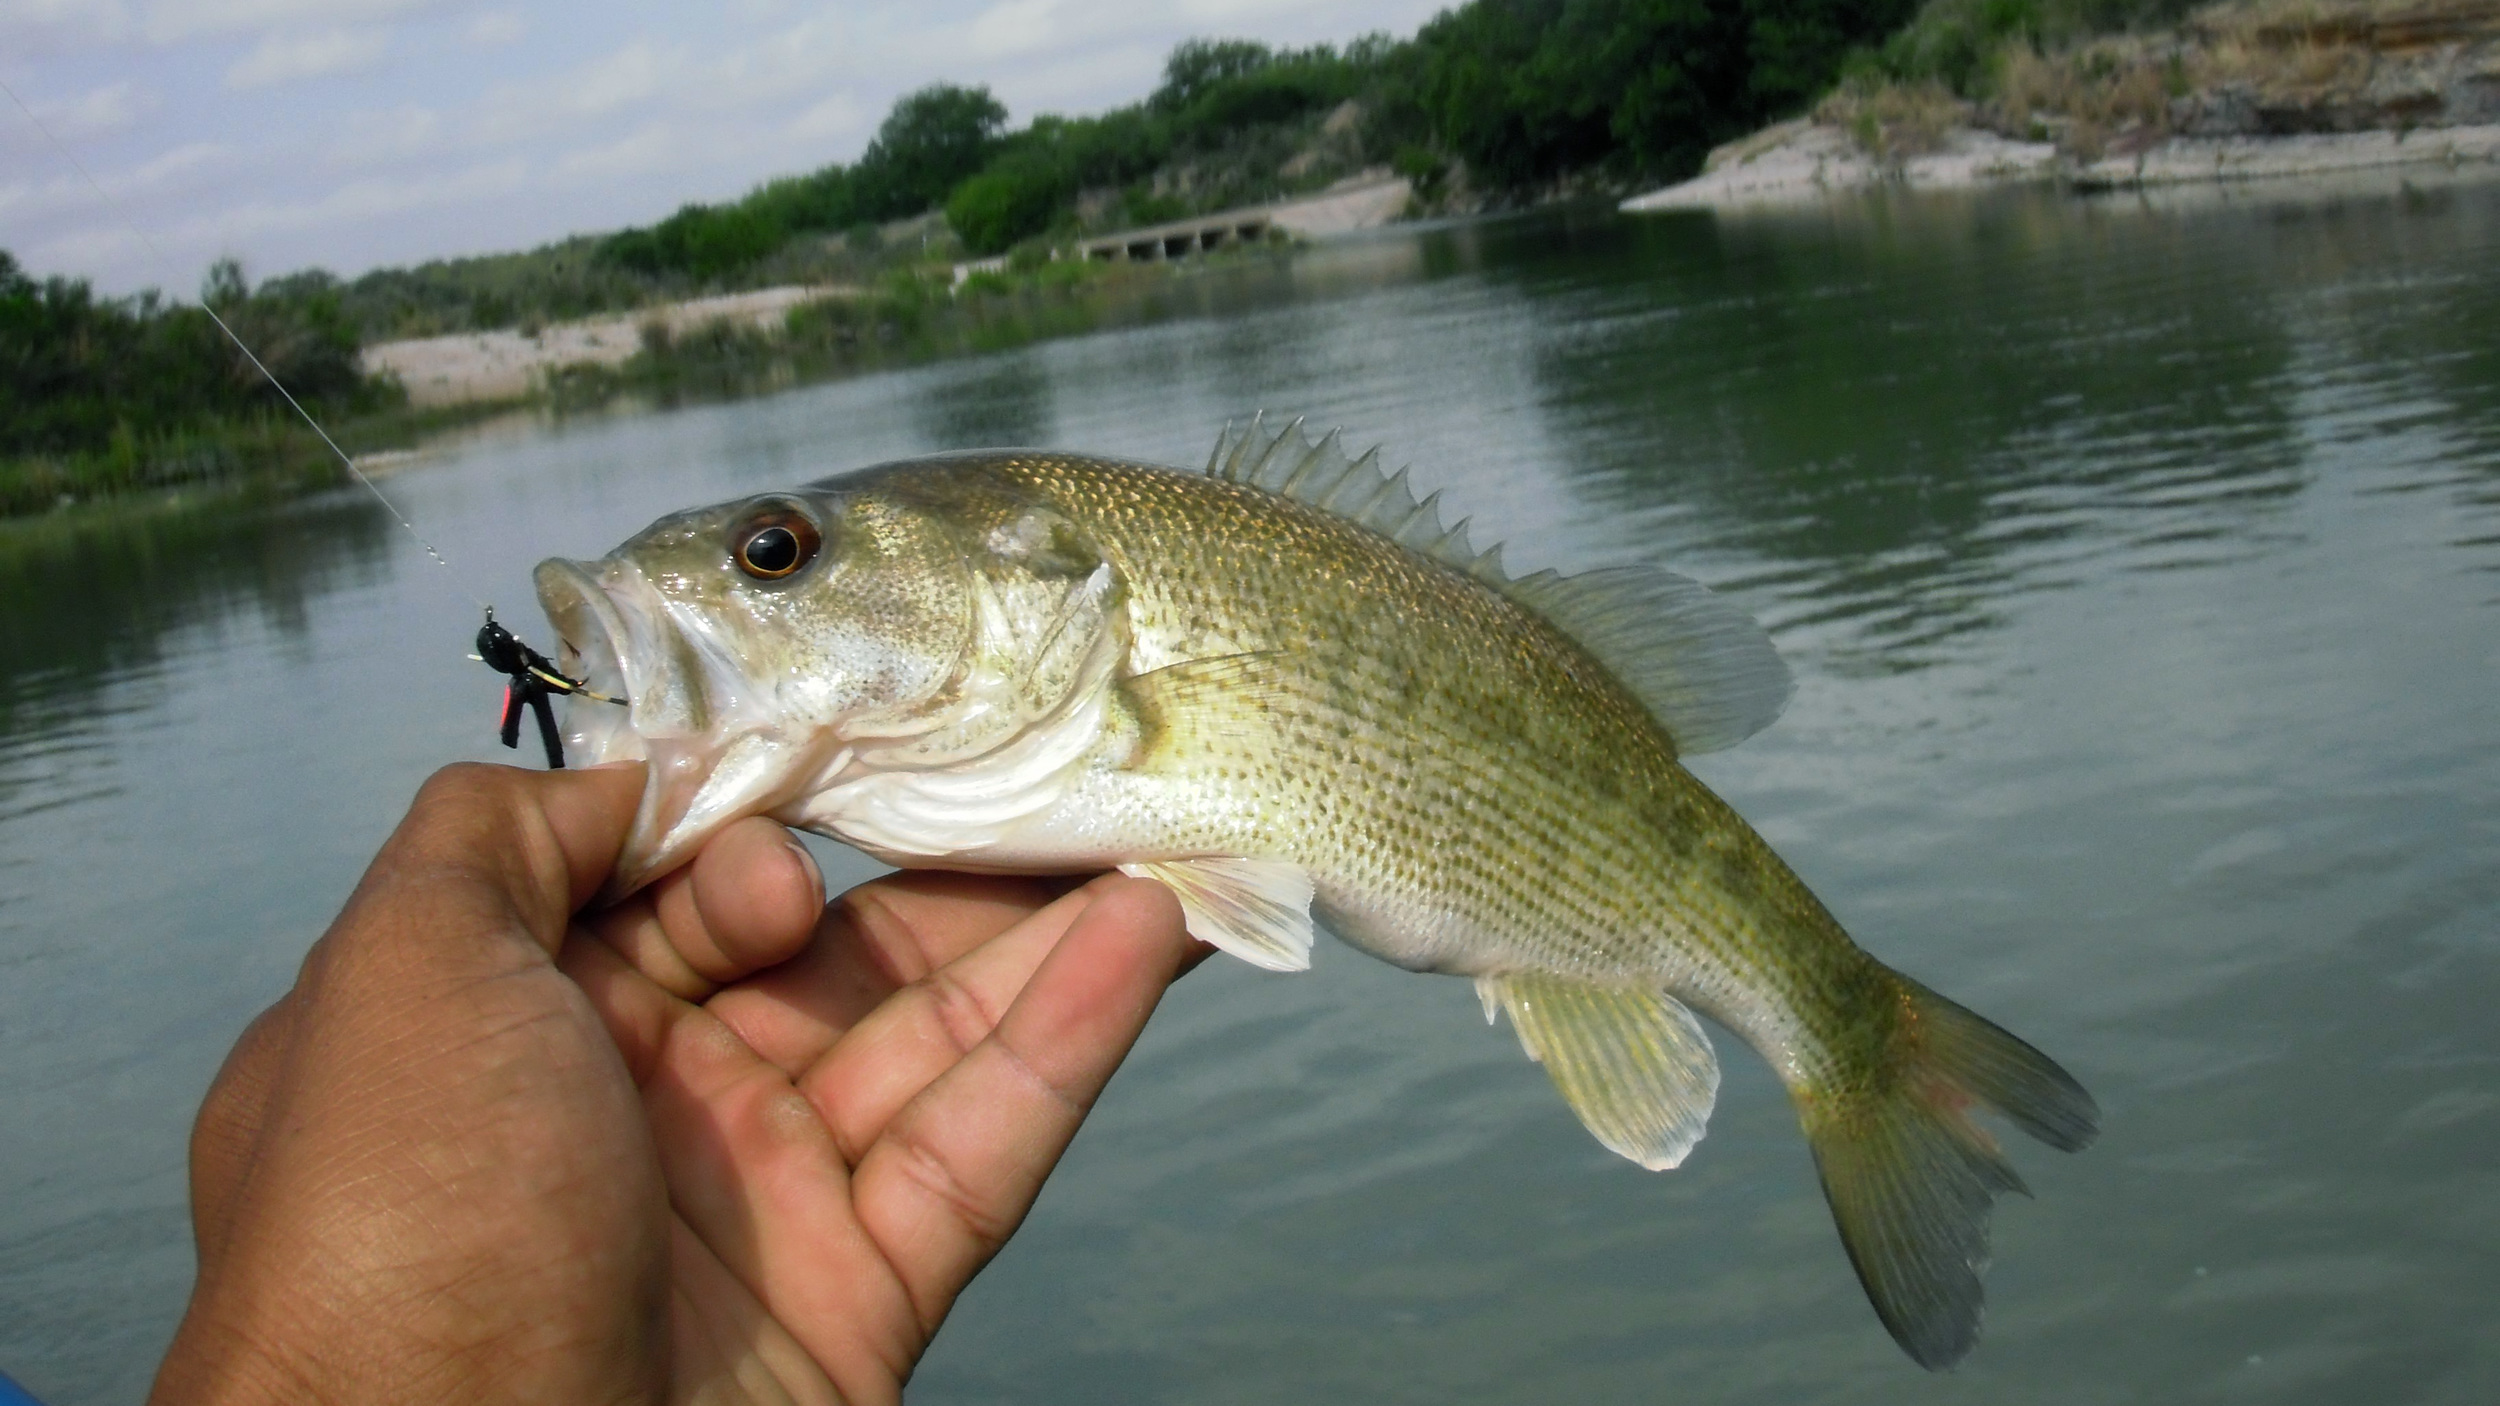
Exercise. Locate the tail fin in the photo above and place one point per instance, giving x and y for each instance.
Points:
(1911, 1178)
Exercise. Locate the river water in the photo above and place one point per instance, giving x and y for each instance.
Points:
(2140, 567)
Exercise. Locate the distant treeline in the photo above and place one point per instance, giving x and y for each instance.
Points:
(105, 395)
(1493, 100)
(1497, 100)
(1523, 93)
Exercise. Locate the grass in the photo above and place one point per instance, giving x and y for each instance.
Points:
(1893, 121)
(906, 319)
(2103, 76)
(273, 454)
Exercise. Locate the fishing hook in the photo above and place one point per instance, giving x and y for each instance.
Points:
(534, 677)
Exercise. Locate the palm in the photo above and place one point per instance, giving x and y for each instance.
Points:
(851, 1115)
(425, 1174)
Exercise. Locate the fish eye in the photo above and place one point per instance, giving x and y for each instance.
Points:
(774, 544)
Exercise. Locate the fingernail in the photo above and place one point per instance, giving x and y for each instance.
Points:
(815, 875)
(611, 766)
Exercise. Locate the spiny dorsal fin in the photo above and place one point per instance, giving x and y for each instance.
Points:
(1632, 1062)
(1705, 670)
(1319, 475)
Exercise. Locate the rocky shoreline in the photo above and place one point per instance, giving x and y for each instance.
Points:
(472, 368)
(2247, 91)
(1803, 161)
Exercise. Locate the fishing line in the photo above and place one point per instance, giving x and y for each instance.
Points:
(534, 678)
(158, 255)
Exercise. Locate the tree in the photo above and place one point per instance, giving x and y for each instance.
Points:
(930, 141)
(1196, 66)
(1016, 197)
(225, 284)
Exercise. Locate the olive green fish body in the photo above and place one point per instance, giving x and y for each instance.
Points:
(1470, 791)
(1280, 687)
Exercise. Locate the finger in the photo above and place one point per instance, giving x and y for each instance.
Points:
(229, 1126)
(750, 900)
(878, 938)
(755, 1177)
(636, 1010)
(958, 1168)
(507, 850)
(587, 812)
(488, 856)
(921, 1031)
(720, 1333)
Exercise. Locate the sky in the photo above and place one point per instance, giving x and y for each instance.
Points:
(348, 134)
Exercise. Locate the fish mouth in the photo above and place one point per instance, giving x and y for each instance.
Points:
(588, 626)
(713, 754)
(609, 648)
(612, 633)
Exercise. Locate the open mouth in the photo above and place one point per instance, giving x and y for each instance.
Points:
(588, 628)
(711, 760)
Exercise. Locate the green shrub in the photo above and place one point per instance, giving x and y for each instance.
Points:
(1012, 200)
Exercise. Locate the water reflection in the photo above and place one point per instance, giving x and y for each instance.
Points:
(1898, 403)
(2133, 559)
(996, 401)
(87, 600)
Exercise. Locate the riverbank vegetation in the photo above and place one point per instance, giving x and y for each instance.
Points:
(1491, 102)
(106, 396)
(2099, 77)
(904, 319)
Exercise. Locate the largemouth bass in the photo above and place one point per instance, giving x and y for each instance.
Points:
(1282, 688)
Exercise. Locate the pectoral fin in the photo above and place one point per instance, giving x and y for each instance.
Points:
(1632, 1062)
(1255, 909)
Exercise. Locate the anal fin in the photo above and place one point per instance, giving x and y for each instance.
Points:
(1631, 1061)
(1256, 909)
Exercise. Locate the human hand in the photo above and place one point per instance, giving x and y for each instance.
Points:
(718, 1143)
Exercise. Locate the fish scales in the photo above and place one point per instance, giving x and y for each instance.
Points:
(1280, 688)
(1433, 737)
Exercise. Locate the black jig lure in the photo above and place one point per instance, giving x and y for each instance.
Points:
(534, 679)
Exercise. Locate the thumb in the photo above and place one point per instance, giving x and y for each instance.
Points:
(538, 844)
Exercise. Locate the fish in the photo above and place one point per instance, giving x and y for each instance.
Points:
(1281, 687)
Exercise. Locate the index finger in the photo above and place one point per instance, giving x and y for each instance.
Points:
(956, 1170)
(872, 942)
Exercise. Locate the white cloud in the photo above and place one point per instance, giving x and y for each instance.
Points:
(284, 58)
(540, 107)
(1200, 12)
(1075, 82)
(495, 29)
(180, 161)
(26, 199)
(377, 135)
(357, 200)
(171, 20)
(1016, 27)
(656, 147)
(836, 117)
(116, 107)
(34, 28)
(79, 252)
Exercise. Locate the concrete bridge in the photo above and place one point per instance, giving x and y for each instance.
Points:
(1180, 238)
(1358, 202)
(1361, 201)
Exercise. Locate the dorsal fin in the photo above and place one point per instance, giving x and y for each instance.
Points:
(1705, 670)
(1289, 464)
(1703, 667)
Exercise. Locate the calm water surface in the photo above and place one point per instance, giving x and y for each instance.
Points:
(2141, 571)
